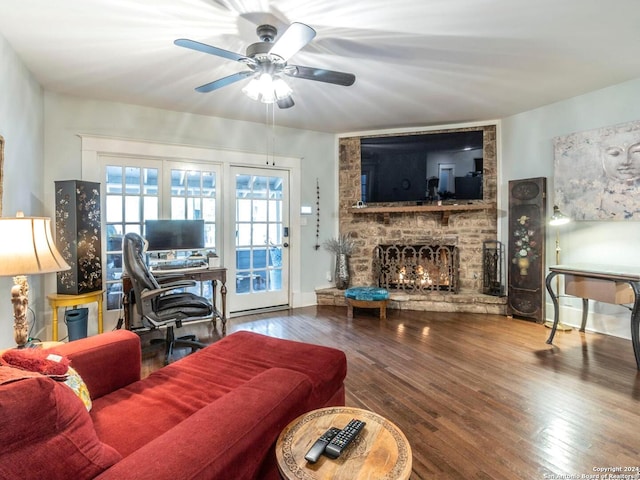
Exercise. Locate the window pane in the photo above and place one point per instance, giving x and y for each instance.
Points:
(275, 211)
(243, 210)
(132, 209)
(209, 209)
(208, 184)
(113, 182)
(150, 181)
(114, 208)
(193, 183)
(209, 235)
(132, 180)
(178, 211)
(275, 234)
(194, 209)
(243, 236)
(260, 210)
(150, 208)
(259, 234)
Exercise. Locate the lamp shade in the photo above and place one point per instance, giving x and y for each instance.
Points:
(27, 247)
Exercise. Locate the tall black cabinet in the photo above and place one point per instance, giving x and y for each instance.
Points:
(526, 257)
(78, 236)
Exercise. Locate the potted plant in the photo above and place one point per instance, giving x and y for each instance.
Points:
(342, 247)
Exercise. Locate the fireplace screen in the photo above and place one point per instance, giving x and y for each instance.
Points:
(417, 268)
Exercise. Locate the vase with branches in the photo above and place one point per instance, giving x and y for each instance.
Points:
(342, 247)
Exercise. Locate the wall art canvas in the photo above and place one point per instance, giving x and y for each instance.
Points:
(597, 173)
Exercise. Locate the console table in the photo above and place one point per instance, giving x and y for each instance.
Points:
(604, 283)
(58, 300)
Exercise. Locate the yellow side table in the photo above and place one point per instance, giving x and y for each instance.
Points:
(57, 300)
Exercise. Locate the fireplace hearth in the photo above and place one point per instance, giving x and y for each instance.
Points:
(417, 268)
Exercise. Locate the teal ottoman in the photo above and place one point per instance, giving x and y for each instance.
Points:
(367, 297)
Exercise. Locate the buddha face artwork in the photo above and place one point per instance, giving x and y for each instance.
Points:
(621, 159)
(597, 173)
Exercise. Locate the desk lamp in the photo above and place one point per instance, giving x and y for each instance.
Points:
(558, 219)
(26, 247)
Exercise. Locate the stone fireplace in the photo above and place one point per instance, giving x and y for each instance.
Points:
(463, 228)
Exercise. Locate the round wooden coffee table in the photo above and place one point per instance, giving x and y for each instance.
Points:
(381, 451)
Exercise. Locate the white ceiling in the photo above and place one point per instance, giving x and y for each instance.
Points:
(417, 62)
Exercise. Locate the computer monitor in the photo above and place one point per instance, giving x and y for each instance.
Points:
(174, 234)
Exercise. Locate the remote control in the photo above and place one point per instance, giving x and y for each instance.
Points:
(317, 449)
(344, 438)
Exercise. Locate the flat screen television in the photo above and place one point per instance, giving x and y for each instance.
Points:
(422, 167)
(174, 234)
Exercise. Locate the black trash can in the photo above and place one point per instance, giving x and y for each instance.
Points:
(76, 320)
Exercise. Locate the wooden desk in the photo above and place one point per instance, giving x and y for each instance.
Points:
(214, 275)
(604, 283)
(380, 450)
(57, 300)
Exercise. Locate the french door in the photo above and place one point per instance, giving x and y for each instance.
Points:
(257, 240)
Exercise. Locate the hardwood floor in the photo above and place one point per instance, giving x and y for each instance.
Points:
(479, 396)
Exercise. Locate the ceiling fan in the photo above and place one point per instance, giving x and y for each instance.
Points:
(267, 63)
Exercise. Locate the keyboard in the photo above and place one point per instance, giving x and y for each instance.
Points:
(180, 266)
(179, 269)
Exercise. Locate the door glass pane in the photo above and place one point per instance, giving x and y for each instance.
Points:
(258, 233)
(132, 209)
(150, 208)
(131, 197)
(193, 197)
(132, 180)
(114, 208)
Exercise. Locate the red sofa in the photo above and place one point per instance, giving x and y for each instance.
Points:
(214, 414)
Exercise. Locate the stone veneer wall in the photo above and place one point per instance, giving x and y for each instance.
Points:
(467, 230)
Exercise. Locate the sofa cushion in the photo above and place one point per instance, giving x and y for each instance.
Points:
(46, 432)
(227, 439)
(136, 414)
(249, 351)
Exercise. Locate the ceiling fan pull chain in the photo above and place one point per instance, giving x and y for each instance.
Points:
(273, 135)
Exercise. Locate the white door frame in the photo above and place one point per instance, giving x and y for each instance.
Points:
(93, 147)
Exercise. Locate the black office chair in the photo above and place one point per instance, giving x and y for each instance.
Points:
(160, 305)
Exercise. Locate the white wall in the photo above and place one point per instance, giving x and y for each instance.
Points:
(67, 116)
(21, 125)
(527, 151)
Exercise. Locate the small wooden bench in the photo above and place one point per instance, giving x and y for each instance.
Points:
(367, 297)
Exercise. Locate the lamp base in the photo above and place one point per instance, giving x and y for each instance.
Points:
(20, 301)
(561, 326)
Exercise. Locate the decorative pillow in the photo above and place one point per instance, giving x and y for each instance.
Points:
(40, 361)
(74, 382)
(36, 360)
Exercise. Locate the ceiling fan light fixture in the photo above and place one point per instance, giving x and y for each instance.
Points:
(252, 89)
(281, 89)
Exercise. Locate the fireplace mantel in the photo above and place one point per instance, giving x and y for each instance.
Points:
(444, 210)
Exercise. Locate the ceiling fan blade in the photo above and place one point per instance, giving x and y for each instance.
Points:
(292, 40)
(320, 75)
(203, 47)
(223, 82)
(286, 102)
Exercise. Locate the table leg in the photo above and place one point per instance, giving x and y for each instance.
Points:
(54, 322)
(635, 322)
(214, 318)
(585, 313)
(223, 292)
(556, 307)
(100, 320)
